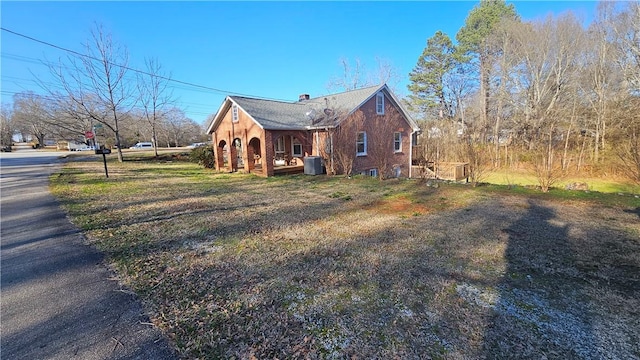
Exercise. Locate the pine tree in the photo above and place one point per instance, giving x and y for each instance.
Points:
(427, 78)
(473, 41)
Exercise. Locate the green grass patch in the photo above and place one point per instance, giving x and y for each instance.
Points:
(524, 178)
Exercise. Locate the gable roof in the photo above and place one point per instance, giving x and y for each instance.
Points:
(274, 115)
(305, 114)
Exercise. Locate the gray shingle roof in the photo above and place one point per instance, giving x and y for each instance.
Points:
(278, 115)
(345, 101)
(305, 114)
(274, 115)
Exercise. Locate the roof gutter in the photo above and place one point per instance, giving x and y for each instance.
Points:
(325, 127)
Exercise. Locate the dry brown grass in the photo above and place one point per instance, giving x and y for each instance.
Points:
(234, 266)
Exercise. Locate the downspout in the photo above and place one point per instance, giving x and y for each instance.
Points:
(233, 135)
(229, 158)
(331, 143)
(411, 152)
(245, 150)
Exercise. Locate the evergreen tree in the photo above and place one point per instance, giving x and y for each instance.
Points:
(473, 41)
(428, 76)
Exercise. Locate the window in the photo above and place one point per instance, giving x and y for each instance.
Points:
(235, 113)
(397, 141)
(279, 148)
(296, 147)
(380, 103)
(373, 172)
(361, 144)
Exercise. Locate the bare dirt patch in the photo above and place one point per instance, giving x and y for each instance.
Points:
(401, 206)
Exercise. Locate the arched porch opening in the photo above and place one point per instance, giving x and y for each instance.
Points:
(236, 155)
(253, 155)
(222, 155)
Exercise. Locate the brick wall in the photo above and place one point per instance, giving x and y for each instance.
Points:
(381, 128)
(244, 129)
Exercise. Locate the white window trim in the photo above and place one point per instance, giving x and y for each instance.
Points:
(380, 103)
(234, 113)
(362, 153)
(293, 143)
(399, 142)
(373, 172)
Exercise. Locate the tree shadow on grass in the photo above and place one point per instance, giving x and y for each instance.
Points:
(419, 288)
(633, 211)
(410, 282)
(550, 298)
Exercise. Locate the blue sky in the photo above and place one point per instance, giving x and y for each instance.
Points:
(267, 49)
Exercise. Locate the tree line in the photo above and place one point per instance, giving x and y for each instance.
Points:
(549, 94)
(97, 91)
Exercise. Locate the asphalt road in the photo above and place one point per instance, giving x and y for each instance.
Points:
(58, 298)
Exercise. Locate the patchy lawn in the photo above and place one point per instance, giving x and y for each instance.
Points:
(236, 266)
(606, 183)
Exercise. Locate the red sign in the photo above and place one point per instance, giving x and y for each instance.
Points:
(88, 134)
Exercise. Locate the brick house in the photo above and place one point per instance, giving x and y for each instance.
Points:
(360, 131)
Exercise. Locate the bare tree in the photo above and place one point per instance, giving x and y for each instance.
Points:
(356, 75)
(476, 154)
(179, 129)
(627, 138)
(548, 53)
(6, 125)
(546, 166)
(351, 77)
(627, 30)
(340, 145)
(69, 122)
(31, 115)
(155, 97)
(386, 73)
(96, 84)
(629, 154)
(601, 82)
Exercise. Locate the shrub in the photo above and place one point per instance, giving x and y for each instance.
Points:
(203, 155)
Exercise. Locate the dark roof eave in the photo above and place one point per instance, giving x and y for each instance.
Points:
(321, 126)
(292, 128)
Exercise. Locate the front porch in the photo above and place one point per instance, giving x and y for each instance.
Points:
(274, 153)
(286, 169)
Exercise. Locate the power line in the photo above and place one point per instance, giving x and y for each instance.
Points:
(220, 91)
(36, 61)
(186, 110)
(22, 81)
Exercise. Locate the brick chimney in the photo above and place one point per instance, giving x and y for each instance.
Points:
(303, 97)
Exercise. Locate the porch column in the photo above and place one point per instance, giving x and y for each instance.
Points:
(251, 163)
(248, 161)
(217, 154)
(267, 159)
(233, 161)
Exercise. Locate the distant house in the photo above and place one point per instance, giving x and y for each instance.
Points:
(70, 145)
(360, 131)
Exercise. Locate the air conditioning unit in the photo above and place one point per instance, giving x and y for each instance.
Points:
(313, 165)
